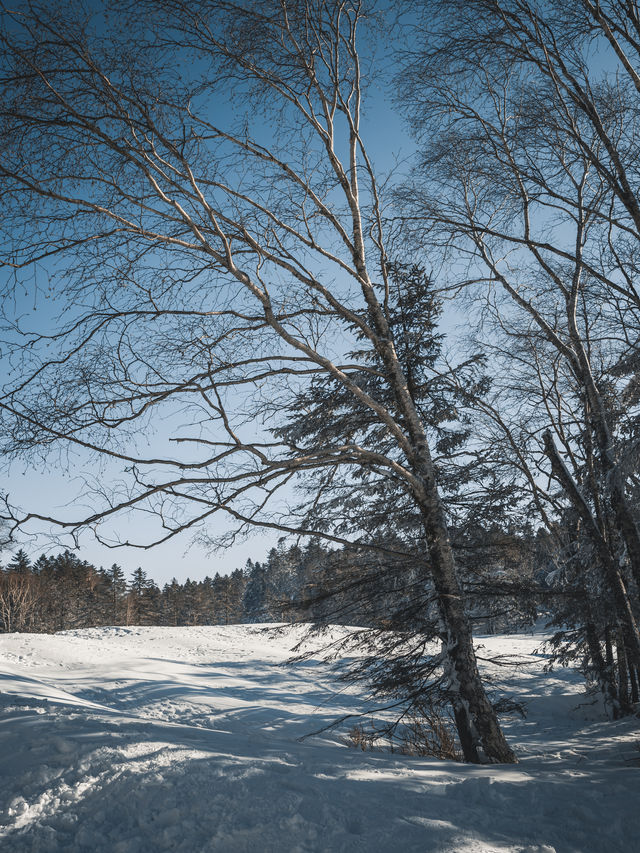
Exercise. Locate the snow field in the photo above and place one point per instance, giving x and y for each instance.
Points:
(136, 740)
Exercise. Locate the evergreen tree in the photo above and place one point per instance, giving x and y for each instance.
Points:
(172, 596)
(19, 563)
(143, 599)
(254, 601)
(117, 594)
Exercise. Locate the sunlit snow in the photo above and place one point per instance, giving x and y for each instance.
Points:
(136, 740)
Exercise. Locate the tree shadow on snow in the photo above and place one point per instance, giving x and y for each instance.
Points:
(136, 786)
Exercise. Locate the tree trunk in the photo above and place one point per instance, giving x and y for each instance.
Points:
(611, 567)
(633, 681)
(623, 670)
(608, 646)
(604, 673)
(481, 737)
(626, 524)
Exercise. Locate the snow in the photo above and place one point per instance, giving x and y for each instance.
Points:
(137, 740)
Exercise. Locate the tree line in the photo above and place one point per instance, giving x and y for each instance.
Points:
(312, 583)
(64, 592)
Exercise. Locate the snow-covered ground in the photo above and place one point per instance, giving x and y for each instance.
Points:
(137, 740)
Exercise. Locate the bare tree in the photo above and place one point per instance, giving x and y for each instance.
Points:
(215, 267)
(530, 176)
(19, 599)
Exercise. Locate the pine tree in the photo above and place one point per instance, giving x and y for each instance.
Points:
(254, 601)
(19, 563)
(172, 603)
(117, 594)
(143, 599)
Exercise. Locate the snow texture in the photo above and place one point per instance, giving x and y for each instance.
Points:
(137, 740)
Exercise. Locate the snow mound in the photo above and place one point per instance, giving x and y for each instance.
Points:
(137, 740)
